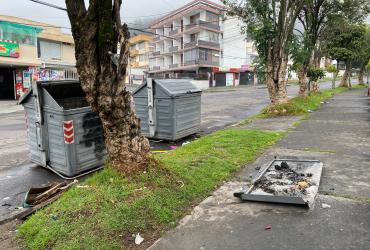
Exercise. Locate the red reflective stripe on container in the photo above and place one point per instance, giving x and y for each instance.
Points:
(68, 124)
(69, 140)
(68, 132)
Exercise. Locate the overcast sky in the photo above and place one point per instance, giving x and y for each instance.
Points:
(131, 10)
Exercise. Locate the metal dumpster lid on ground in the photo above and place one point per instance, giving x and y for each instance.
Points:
(173, 87)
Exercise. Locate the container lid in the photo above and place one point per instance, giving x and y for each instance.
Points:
(173, 87)
(57, 89)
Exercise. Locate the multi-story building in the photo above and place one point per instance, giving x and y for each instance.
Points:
(199, 41)
(140, 48)
(187, 40)
(32, 50)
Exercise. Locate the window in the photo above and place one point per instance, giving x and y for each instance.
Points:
(49, 49)
(190, 55)
(212, 17)
(195, 19)
(203, 54)
(213, 36)
(194, 37)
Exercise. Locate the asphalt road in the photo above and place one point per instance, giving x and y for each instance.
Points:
(219, 109)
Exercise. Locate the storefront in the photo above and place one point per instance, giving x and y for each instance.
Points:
(233, 76)
(15, 81)
(27, 54)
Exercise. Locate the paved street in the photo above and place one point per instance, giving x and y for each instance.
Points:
(219, 109)
(338, 135)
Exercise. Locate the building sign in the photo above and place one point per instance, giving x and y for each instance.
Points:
(245, 68)
(27, 79)
(9, 48)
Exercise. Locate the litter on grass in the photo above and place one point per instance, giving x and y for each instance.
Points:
(138, 239)
(38, 196)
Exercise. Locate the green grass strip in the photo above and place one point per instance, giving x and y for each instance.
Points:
(302, 105)
(107, 209)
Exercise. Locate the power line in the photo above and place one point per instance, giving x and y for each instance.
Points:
(49, 4)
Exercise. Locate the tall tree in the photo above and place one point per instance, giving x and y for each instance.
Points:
(98, 35)
(345, 43)
(313, 18)
(270, 24)
(364, 56)
(343, 36)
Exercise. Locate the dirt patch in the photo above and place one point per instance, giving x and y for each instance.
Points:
(7, 236)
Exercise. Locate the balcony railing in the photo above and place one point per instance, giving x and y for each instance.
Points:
(203, 24)
(173, 48)
(173, 32)
(156, 38)
(189, 45)
(208, 44)
(156, 53)
(155, 68)
(201, 62)
(175, 65)
(202, 43)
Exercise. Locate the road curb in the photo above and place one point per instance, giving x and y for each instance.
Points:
(14, 215)
(17, 213)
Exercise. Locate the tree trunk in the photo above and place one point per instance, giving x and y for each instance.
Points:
(276, 81)
(302, 79)
(361, 75)
(127, 149)
(316, 63)
(97, 33)
(277, 50)
(344, 81)
(334, 76)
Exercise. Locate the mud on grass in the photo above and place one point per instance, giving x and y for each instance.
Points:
(108, 209)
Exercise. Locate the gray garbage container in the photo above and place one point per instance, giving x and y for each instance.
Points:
(168, 109)
(63, 132)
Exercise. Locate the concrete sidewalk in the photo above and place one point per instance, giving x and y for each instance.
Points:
(8, 107)
(337, 134)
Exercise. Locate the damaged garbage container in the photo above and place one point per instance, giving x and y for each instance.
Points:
(63, 133)
(169, 109)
